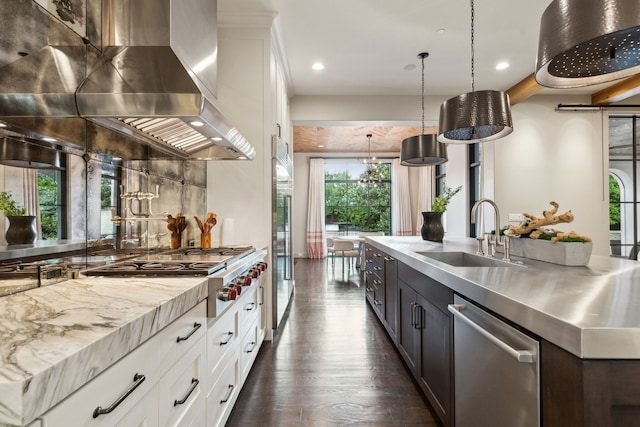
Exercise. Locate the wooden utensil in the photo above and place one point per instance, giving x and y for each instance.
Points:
(205, 228)
(176, 226)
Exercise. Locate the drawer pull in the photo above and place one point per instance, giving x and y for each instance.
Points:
(194, 384)
(229, 336)
(377, 302)
(388, 258)
(253, 346)
(228, 396)
(196, 326)
(137, 380)
(377, 282)
(250, 306)
(369, 289)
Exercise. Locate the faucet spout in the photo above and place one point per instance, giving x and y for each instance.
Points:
(474, 210)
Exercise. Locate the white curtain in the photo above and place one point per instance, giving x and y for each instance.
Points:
(316, 237)
(31, 200)
(400, 200)
(425, 193)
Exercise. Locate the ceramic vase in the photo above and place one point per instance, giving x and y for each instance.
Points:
(432, 228)
(22, 230)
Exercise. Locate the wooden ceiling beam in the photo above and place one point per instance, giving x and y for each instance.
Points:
(617, 92)
(524, 89)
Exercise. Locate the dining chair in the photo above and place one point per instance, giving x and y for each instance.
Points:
(345, 249)
(331, 250)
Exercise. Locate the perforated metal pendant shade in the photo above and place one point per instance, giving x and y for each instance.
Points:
(473, 117)
(422, 150)
(586, 42)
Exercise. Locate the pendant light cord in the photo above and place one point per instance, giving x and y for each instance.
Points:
(422, 56)
(473, 54)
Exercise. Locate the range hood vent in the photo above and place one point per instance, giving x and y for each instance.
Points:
(154, 78)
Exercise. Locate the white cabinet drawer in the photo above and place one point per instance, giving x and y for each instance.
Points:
(177, 338)
(120, 389)
(182, 389)
(223, 394)
(249, 308)
(249, 348)
(222, 338)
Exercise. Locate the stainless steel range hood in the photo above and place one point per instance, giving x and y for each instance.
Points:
(157, 77)
(153, 78)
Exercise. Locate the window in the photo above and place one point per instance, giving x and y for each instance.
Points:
(52, 203)
(350, 206)
(109, 199)
(474, 180)
(624, 158)
(441, 174)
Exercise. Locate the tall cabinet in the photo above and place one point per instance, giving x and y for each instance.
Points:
(253, 92)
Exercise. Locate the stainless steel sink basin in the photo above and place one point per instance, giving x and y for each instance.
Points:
(464, 259)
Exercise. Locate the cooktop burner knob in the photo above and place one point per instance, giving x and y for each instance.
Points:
(255, 273)
(263, 266)
(244, 280)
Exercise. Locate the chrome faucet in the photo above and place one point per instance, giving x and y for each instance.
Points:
(491, 244)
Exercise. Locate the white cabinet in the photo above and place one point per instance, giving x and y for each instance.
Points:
(233, 342)
(135, 390)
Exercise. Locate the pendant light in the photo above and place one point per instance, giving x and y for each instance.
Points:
(476, 116)
(373, 175)
(586, 42)
(422, 150)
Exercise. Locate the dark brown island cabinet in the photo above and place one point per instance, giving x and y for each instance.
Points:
(412, 307)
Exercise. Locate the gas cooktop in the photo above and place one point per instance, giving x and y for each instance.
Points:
(189, 261)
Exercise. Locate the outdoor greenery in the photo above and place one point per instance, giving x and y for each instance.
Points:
(358, 207)
(614, 202)
(9, 206)
(441, 201)
(49, 206)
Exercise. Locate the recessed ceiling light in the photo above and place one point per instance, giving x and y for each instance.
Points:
(217, 138)
(440, 31)
(320, 146)
(196, 123)
(502, 65)
(318, 66)
(410, 67)
(48, 139)
(2, 125)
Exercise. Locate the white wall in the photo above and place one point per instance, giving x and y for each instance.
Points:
(551, 155)
(559, 156)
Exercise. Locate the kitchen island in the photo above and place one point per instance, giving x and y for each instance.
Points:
(585, 319)
(55, 339)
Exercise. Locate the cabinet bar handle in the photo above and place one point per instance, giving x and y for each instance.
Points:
(388, 258)
(413, 314)
(250, 306)
(261, 295)
(228, 396)
(253, 346)
(137, 380)
(522, 356)
(369, 289)
(229, 336)
(194, 384)
(196, 326)
(377, 282)
(377, 302)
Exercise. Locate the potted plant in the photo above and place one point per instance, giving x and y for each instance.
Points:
(432, 221)
(22, 228)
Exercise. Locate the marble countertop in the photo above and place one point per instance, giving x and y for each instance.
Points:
(55, 339)
(591, 311)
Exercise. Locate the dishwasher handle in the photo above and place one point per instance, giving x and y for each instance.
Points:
(522, 356)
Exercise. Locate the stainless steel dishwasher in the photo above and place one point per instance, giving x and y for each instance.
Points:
(496, 371)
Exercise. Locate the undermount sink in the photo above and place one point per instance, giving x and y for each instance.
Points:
(464, 259)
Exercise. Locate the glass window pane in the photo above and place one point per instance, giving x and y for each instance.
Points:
(351, 206)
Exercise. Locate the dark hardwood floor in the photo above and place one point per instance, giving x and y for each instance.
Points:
(331, 364)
